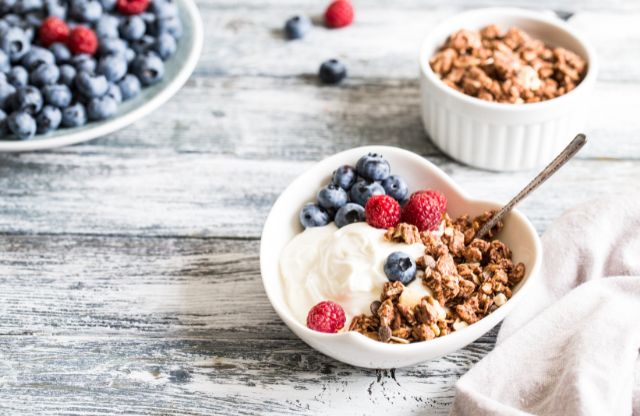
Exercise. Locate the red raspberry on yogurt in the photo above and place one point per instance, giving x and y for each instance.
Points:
(382, 211)
(425, 209)
(326, 316)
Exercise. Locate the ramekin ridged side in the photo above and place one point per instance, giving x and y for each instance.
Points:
(497, 136)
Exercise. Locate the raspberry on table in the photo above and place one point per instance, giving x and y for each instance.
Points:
(131, 7)
(52, 30)
(326, 316)
(82, 40)
(425, 209)
(339, 14)
(382, 211)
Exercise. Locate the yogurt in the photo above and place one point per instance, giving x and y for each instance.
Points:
(344, 265)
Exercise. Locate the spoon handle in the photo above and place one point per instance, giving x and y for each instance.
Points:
(564, 156)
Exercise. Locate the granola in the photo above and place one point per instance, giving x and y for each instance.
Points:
(506, 67)
(468, 278)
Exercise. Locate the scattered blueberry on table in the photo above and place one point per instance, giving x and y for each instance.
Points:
(332, 72)
(64, 63)
(297, 27)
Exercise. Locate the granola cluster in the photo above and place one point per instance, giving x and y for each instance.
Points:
(510, 67)
(468, 277)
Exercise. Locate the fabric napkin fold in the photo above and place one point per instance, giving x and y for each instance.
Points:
(571, 346)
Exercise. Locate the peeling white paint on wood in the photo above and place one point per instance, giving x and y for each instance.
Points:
(129, 277)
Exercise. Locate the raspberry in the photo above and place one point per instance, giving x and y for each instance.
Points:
(327, 317)
(382, 211)
(425, 209)
(82, 40)
(131, 7)
(52, 30)
(338, 14)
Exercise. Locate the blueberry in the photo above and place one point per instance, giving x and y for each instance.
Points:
(332, 197)
(400, 267)
(101, 108)
(84, 62)
(149, 19)
(4, 25)
(45, 74)
(107, 26)
(37, 56)
(297, 27)
(112, 46)
(148, 68)
(74, 116)
(25, 6)
(362, 190)
(6, 6)
(91, 85)
(164, 9)
(67, 75)
(57, 8)
(29, 32)
(34, 19)
(28, 99)
(108, 5)
(349, 214)
(18, 77)
(132, 28)
(58, 95)
(313, 215)
(170, 25)
(113, 67)
(129, 55)
(142, 45)
(5, 63)
(344, 177)
(332, 72)
(15, 43)
(48, 119)
(7, 92)
(13, 19)
(115, 93)
(86, 10)
(60, 52)
(396, 188)
(165, 46)
(373, 167)
(129, 86)
(22, 125)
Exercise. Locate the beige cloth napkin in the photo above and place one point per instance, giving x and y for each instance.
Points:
(570, 347)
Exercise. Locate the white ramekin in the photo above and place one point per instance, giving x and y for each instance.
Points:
(353, 348)
(498, 136)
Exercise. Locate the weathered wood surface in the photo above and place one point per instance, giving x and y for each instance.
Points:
(129, 278)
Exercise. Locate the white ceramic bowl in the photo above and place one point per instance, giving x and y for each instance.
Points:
(351, 347)
(177, 71)
(498, 136)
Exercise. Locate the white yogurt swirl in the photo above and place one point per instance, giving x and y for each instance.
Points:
(343, 265)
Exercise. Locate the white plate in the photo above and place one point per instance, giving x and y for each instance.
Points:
(177, 70)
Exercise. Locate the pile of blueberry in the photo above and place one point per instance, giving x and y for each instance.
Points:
(344, 199)
(66, 62)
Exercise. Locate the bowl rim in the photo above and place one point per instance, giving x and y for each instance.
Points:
(361, 340)
(577, 35)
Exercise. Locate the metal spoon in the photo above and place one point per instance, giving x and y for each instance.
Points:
(564, 156)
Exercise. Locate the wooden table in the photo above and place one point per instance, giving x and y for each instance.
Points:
(129, 278)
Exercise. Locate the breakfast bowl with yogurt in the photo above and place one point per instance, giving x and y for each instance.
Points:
(370, 257)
